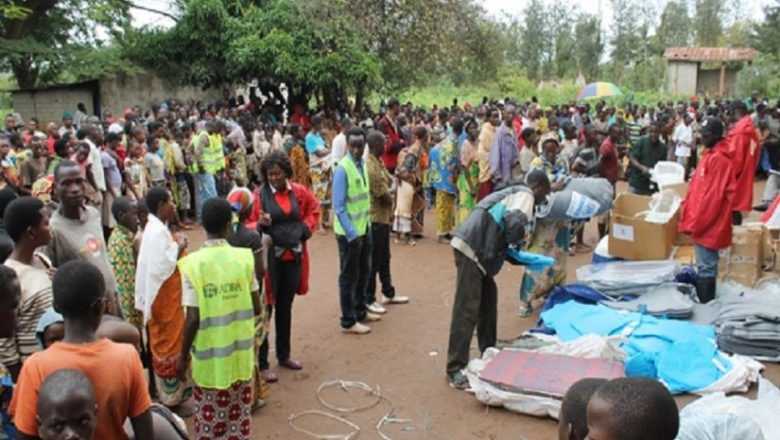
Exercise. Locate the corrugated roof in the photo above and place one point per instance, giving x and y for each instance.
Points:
(706, 54)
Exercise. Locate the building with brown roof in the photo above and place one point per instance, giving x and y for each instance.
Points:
(705, 70)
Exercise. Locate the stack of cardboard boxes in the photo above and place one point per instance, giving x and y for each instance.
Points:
(754, 250)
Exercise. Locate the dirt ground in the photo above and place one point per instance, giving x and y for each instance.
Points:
(405, 354)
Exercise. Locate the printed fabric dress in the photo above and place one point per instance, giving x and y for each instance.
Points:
(122, 258)
(299, 162)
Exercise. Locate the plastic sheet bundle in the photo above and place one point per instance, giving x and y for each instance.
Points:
(627, 277)
(582, 198)
(682, 355)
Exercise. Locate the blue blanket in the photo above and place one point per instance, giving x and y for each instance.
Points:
(682, 355)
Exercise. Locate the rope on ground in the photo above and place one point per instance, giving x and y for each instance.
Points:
(389, 418)
(353, 434)
(345, 385)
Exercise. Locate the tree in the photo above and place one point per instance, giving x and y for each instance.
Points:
(41, 37)
(766, 35)
(625, 35)
(534, 42)
(313, 48)
(708, 22)
(674, 29)
(588, 46)
(559, 61)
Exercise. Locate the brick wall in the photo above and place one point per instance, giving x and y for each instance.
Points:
(123, 91)
(116, 94)
(49, 104)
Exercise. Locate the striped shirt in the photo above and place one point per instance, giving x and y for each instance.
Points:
(36, 298)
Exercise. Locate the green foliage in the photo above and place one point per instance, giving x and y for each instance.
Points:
(515, 85)
(12, 11)
(766, 35)
(588, 45)
(39, 44)
(674, 29)
(763, 75)
(708, 22)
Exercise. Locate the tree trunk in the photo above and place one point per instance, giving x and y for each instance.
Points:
(26, 75)
(360, 100)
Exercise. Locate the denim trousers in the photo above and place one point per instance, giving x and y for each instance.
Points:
(205, 188)
(706, 262)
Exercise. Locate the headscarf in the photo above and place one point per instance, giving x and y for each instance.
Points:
(49, 317)
(240, 199)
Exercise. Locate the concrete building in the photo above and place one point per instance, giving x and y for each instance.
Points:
(112, 94)
(704, 70)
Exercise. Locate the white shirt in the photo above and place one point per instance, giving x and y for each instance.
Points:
(683, 134)
(276, 140)
(683, 140)
(156, 263)
(339, 147)
(97, 171)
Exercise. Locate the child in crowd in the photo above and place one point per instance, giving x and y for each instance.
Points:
(114, 369)
(572, 420)
(155, 166)
(632, 409)
(134, 164)
(122, 255)
(67, 408)
(10, 295)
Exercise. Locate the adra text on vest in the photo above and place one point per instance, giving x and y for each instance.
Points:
(211, 290)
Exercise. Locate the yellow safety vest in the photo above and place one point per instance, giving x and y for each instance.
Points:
(223, 350)
(358, 199)
(213, 156)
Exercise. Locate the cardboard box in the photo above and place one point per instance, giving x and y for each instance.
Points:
(682, 190)
(685, 255)
(743, 261)
(632, 238)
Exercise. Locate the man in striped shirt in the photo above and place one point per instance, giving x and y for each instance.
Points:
(27, 222)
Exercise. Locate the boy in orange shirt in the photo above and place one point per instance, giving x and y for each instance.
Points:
(115, 369)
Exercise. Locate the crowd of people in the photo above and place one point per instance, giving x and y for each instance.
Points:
(99, 280)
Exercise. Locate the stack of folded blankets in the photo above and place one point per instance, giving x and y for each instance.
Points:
(622, 278)
(749, 324)
(667, 300)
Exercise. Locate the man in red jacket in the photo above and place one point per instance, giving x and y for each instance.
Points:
(744, 146)
(711, 194)
(394, 143)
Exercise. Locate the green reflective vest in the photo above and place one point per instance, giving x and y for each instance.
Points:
(213, 156)
(358, 199)
(223, 350)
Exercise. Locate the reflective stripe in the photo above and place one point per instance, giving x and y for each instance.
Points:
(357, 198)
(357, 216)
(222, 352)
(221, 321)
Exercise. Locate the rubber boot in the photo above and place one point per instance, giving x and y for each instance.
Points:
(705, 289)
(736, 218)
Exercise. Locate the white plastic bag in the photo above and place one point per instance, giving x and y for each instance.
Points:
(490, 395)
(663, 206)
(763, 411)
(667, 173)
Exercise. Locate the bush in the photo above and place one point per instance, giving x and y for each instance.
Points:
(515, 84)
(762, 76)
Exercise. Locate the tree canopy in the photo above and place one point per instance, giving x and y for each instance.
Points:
(332, 49)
